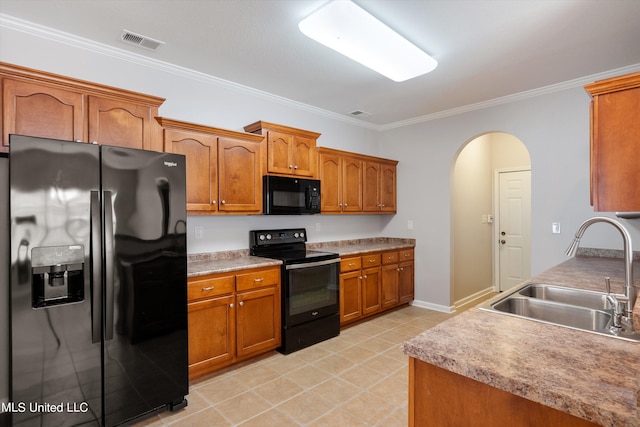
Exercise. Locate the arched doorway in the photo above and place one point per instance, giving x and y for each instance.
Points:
(475, 198)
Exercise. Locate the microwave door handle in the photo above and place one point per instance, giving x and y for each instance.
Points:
(96, 268)
(307, 198)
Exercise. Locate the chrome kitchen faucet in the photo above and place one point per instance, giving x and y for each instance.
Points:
(629, 297)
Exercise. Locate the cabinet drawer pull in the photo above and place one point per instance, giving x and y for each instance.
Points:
(372, 260)
(352, 264)
(261, 279)
(208, 288)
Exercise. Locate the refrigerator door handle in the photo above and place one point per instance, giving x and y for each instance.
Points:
(96, 268)
(108, 264)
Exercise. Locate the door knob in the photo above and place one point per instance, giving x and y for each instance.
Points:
(503, 233)
(503, 242)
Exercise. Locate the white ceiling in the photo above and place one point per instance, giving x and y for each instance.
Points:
(486, 49)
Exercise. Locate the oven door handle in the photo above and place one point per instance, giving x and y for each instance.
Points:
(313, 264)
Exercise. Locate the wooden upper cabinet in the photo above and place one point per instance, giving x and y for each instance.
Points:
(40, 110)
(37, 103)
(331, 182)
(290, 151)
(341, 181)
(223, 167)
(200, 151)
(379, 193)
(120, 123)
(239, 175)
(352, 184)
(615, 143)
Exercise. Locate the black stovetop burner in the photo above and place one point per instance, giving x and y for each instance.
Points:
(287, 245)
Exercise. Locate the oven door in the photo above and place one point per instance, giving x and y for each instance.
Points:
(310, 291)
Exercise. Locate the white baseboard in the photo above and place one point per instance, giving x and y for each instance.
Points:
(471, 299)
(431, 306)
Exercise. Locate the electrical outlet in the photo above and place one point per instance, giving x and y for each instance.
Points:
(555, 227)
(199, 232)
(410, 224)
(318, 226)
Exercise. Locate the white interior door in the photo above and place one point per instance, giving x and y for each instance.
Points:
(514, 228)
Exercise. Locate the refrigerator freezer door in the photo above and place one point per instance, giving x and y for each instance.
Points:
(53, 358)
(146, 354)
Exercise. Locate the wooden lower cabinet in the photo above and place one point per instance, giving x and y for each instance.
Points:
(350, 296)
(371, 283)
(258, 315)
(232, 317)
(438, 397)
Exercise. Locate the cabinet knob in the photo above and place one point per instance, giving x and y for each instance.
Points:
(290, 166)
(345, 205)
(364, 277)
(213, 202)
(241, 303)
(222, 202)
(231, 305)
(295, 167)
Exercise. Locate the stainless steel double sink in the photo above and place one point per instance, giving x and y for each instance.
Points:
(568, 307)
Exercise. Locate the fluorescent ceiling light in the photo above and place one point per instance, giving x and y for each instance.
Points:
(350, 30)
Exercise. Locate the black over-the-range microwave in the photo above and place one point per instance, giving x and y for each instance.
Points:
(290, 196)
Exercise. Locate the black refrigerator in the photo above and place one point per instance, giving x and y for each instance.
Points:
(98, 283)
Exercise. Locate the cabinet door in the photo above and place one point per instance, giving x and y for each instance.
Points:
(120, 123)
(240, 181)
(405, 281)
(331, 179)
(389, 286)
(350, 296)
(371, 182)
(304, 156)
(279, 150)
(371, 295)
(258, 321)
(352, 184)
(211, 334)
(39, 110)
(387, 188)
(614, 151)
(200, 151)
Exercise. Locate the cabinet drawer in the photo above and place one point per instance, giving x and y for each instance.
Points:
(406, 255)
(370, 260)
(258, 279)
(390, 257)
(350, 264)
(207, 286)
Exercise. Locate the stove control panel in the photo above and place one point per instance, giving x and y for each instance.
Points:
(277, 237)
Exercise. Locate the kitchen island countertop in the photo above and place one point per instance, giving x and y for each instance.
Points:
(593, 377)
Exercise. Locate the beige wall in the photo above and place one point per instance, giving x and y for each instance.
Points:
(472, 197)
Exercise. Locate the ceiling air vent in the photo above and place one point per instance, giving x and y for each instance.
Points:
(139, 40)
(360, 113)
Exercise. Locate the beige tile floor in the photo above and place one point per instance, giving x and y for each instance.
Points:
(359, 378)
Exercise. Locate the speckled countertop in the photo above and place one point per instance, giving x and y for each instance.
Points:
(227, 261)
(587, 375)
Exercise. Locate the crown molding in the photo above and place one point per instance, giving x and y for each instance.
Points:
(48, 33)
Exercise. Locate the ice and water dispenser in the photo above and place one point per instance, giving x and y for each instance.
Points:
(57, 275)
